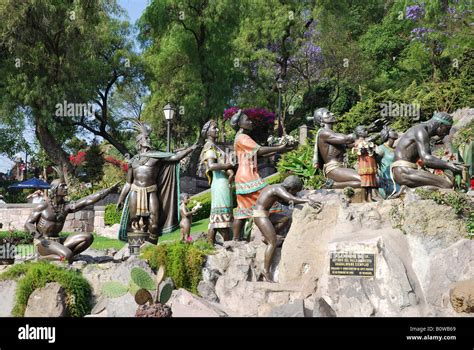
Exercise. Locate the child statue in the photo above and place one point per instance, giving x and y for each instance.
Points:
(186, 217)
(367, 170)
(284, 192)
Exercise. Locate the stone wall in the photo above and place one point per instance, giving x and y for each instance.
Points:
(17, 214)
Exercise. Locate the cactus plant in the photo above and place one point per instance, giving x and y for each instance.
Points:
(165, 293)
(114, 289)
(142, 279)
(140, 286)
(133, 288)
(154, 308)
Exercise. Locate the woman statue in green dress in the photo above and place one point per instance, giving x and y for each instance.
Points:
(385, 158)
(219, 173)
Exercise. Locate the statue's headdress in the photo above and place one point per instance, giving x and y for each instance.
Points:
(57, 182)
(206, 127)
(443, 118)
(234, 121)
(142, 129)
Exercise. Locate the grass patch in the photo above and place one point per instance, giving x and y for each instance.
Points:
(102, 243)
(196, 227)
(183, 261)
(31, 276)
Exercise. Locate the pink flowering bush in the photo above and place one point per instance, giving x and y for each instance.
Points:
(263, 121)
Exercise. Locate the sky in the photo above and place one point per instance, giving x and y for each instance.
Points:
(134, 8)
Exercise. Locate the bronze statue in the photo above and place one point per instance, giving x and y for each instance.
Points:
(186, 217)
(415, 145)
(47, 220)
(284, 192)
(367, 166)
(329, 150)
(220, 173)
(385, 156)
(150, 195)
(248, 182)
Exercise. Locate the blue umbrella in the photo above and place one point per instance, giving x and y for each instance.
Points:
(31, 183)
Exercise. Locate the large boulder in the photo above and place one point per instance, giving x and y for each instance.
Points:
(294, 309)
(186, 304)
(462, 296)
(393, 290)
(48, 301)
(7, 297)
(233, 274)
(419, 248)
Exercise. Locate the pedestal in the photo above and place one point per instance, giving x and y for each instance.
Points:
(135, 241)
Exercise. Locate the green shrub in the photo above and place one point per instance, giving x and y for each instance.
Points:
(205, 200)
(111, 216)
(464, 136)
(23, 237)
(300, 163)
(470, 224)
(183, 261)
(20, 237)
(31, 276)
(460, 202)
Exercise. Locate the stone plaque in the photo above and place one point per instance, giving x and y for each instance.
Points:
(345, 263)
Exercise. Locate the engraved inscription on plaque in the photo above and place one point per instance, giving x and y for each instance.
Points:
(343, 263)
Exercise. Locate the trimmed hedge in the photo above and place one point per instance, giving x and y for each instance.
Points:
(205, 211)
(23, 237)
(111, 216)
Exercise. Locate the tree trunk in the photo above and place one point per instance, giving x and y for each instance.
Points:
(51, 146)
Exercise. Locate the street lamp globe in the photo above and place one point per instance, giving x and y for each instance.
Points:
(168, 110)
(280, 83)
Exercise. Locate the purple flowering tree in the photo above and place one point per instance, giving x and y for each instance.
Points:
(263, 119)
(415, 12)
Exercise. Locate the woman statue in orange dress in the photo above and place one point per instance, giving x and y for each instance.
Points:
(248, 182)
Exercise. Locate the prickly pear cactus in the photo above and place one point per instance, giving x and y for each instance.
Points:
(165, 293)
(133, 288)
(142, 279)
(114, 289)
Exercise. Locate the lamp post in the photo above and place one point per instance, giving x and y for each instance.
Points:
(168, 110)
(280, 83)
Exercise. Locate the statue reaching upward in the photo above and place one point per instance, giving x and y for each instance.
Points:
(150, 196)
(47, 220)
(415, 145)
(329, 150)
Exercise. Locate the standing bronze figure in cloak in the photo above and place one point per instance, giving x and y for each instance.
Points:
(150, 197)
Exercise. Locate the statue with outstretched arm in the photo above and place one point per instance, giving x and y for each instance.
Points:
(47, 220)
(150, 196)
(415, 145)
(285, 193)
(329, 150)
